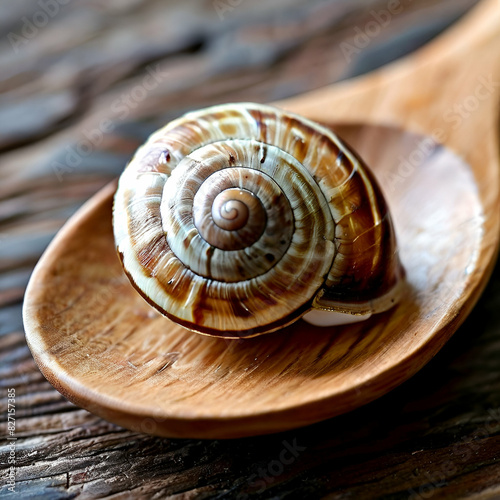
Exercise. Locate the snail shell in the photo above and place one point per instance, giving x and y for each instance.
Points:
(238, 219)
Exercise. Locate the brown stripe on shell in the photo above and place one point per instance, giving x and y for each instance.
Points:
(315, 151)
(367, 264)
(147, 254)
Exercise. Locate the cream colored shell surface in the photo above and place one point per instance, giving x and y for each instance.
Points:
(237, 219)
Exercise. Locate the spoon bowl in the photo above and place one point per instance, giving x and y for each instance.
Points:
(103, 347)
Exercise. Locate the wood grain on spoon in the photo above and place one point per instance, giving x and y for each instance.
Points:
(105, 349)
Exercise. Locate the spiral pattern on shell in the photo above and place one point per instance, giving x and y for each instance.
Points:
(237, 219)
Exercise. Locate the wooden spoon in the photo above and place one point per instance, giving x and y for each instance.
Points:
(99, 343)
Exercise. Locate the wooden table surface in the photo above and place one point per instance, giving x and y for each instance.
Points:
(68, 67)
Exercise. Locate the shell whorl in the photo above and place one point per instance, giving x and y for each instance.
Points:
(230, 211)
(237, 219)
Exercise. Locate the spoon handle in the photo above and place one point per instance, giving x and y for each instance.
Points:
(448, 89)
